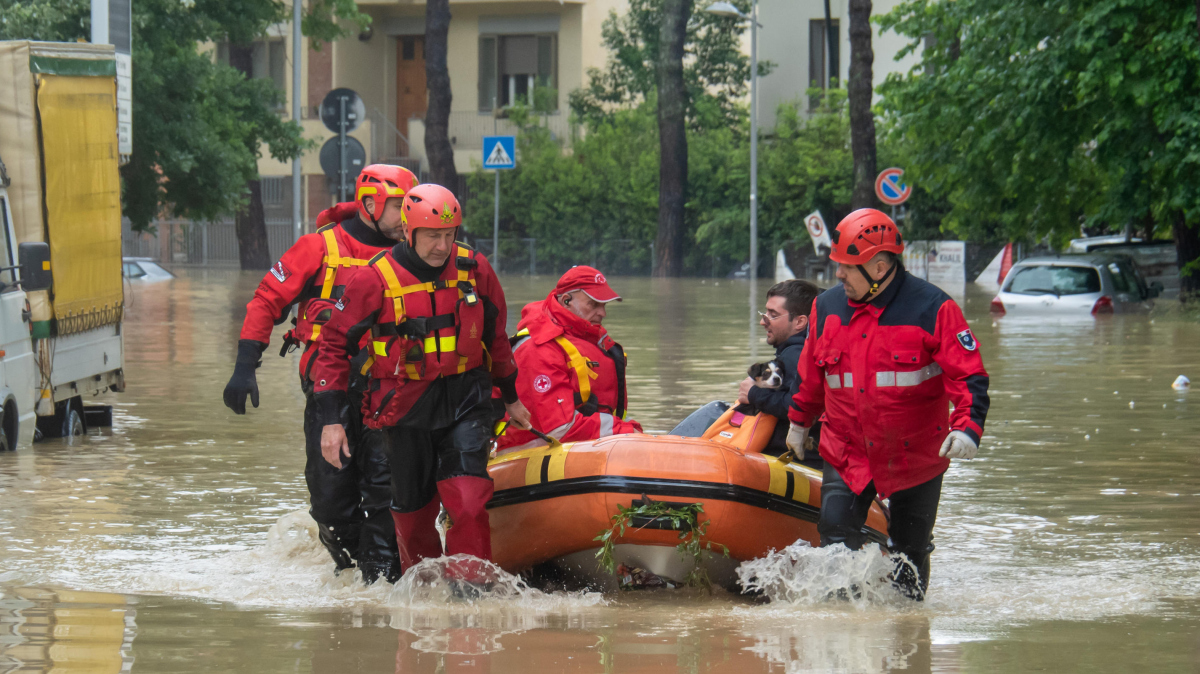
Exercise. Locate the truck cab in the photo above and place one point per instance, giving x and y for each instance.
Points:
(18, 369)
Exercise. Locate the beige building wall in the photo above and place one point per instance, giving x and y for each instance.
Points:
(368, 65)
(784, 39)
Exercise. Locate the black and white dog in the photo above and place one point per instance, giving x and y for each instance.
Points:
(767, 375)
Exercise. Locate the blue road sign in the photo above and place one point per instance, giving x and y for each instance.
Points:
(499, 152)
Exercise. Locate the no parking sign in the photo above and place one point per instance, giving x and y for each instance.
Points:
(889, 189)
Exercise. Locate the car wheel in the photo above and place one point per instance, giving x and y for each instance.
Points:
(4, 446)
(72, 424)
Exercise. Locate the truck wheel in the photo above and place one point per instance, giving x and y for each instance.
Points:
(72, 423)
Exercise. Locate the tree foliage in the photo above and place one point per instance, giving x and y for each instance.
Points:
(716, 72)
(1040, 117)
(598, 200)
(199, 126)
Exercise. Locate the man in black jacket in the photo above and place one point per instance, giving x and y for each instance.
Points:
(786, 322)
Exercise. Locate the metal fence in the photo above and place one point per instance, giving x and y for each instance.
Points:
(200, 243)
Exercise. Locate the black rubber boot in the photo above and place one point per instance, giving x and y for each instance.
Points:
(339, 543)
(374, 570)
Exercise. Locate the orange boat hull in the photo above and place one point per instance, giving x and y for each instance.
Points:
(551, 502)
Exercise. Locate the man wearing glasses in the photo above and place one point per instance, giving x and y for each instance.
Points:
(786, 323)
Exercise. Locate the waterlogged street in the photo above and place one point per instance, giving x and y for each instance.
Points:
(179, 542)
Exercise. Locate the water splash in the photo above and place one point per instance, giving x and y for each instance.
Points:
(802, 574)
(439, 582)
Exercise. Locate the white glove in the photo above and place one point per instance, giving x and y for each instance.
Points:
(959, 445)
(796, 437)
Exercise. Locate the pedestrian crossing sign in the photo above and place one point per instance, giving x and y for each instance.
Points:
(499, 152)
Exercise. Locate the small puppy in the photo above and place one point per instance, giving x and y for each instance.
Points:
(767, 375)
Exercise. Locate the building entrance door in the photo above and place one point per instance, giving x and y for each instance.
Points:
(411, 97)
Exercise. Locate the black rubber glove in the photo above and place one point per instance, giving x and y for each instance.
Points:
(243, 381)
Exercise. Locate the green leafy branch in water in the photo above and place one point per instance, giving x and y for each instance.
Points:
(683, 518)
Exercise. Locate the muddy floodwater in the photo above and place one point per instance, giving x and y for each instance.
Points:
(180, 542)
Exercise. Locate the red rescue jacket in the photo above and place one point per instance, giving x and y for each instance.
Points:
(316, 267)
(571, 377)
(418, 332)
(885, 373)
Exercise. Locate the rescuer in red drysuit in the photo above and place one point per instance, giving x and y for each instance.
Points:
(887, 354)
(436, 316)
(571, 373)
(349, 503)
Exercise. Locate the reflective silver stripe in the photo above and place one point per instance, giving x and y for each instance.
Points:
(908, 378)
(833, 381)
(606, 425)
(558, 433)
(849, 379)
(520, 342)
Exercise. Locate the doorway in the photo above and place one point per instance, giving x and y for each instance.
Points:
(411, 97)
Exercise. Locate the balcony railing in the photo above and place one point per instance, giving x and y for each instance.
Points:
(467, 129)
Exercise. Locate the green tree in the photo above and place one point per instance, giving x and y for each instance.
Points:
(716, 72)
(1041, 117)
(199, 126)
(597, 203)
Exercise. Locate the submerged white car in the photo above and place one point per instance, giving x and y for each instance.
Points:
(1074, 285)
(144, 269)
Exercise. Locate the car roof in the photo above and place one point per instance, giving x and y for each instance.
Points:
(1080, 259)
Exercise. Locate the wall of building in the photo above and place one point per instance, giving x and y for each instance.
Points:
(784, 39)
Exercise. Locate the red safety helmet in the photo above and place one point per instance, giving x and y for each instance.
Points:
(863, 234)
(381, 181)
(431, 206)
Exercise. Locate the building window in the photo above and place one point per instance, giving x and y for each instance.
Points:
(819, 57)
(267, 60)
(273, 190)
(513, 67)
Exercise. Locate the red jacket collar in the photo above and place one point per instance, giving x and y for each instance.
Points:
(547, 319)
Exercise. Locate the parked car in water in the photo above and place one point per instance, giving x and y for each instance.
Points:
(1074, 285)
(144, 269)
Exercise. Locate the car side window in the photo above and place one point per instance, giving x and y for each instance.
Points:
(133, 270)
(1120, 279)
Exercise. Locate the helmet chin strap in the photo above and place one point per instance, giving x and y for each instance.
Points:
(875, 283)
(374, 220)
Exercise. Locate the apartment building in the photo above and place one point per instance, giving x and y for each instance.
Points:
(501, 51)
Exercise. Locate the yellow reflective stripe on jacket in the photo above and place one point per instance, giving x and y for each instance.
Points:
(397, 292)
(583, 372)
(333, 260)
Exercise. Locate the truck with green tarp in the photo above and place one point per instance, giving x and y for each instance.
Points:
(61, 187)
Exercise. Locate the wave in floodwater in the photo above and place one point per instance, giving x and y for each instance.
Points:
(293, 570)
(970, 588)
(803, 575)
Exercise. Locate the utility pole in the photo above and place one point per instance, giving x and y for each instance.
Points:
(297, 41)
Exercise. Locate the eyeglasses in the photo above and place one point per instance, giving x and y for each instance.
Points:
(770, 316)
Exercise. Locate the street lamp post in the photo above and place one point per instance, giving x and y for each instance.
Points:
(728, 10)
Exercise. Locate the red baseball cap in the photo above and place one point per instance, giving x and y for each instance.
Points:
(590, 281)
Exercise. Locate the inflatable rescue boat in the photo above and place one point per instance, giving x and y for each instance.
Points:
(551, 502)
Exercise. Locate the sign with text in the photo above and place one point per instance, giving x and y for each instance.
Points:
(942, 263)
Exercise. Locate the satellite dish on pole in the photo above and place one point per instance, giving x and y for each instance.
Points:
(331, 108)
